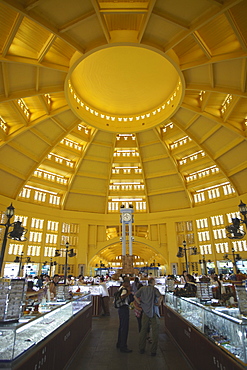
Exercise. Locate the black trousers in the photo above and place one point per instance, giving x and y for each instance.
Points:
(123, 330)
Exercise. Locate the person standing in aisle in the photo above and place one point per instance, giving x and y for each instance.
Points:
(105, 297)
(135, 285)
(52, 286)
(123, 314)
(147, 296)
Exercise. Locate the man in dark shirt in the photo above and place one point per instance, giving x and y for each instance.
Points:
(150, 298)
(123, 313)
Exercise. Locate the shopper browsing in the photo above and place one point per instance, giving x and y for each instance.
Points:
(147, 296)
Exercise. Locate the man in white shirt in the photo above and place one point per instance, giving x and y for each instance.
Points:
(105, 297)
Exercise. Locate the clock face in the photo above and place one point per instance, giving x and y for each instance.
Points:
(126, 216)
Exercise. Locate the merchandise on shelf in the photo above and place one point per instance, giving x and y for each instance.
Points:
(227, 327)
(11, 298)
(17, 338)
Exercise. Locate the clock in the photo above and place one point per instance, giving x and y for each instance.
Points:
(127, 216)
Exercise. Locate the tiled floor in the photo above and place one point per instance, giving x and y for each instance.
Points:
(98, 351)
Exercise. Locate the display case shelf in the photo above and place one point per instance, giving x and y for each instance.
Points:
(17, 339)
(225, 327)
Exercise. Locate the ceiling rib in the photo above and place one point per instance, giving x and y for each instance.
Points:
(231, 106)
(202, 44)
(101, 20)
(145, 19)
(244, 75)
(12, 34)
(143, 175)
(205, 100)
(110, 172)
(216, 89)
(43, 22)
(169, 18)
(30, 4)
(211, 75)
(201, 21)
(205, 150)
(176, 168)
(214, 59)
(213, 118)
(85, 149)
(236, 30)
(46, 48)
(43, 156)
(26, 127)
(44, 104)
(5, 79)
(76, 22)
(30, 93)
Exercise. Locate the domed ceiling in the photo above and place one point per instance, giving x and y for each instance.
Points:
(111, 102)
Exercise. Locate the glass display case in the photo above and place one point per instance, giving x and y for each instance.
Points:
(93, 289)
(161, 288)
(11, 298)
(17, 338)
(226, 327)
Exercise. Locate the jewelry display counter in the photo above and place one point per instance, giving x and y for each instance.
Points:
(47, 340)
(210, 337)
(96, 291)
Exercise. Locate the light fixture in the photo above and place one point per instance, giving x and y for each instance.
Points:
(233, 230)
(19, 259)
(68, 253)
(204, 263)
(235, 257)
(16, 233)
(182, 252)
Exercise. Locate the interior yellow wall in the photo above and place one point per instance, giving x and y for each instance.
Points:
(92, 235)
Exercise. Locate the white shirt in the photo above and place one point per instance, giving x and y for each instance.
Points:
(103, 290)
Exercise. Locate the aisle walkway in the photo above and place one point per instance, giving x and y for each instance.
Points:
(98, 351)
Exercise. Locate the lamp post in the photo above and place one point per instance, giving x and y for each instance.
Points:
(243, 210)
(68, 253)
(66, 262)
(182, 252)
(204, 263)
(51, 265)
(19, 260)
(9, 213)
(233, 230)
(234, 261)
(235, 257)
(185, 256)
